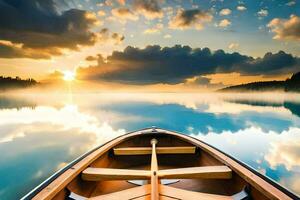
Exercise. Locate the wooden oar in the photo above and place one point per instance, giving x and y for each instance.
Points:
(154, 168)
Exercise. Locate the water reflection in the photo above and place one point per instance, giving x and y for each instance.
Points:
(41, 133)
(293, 107)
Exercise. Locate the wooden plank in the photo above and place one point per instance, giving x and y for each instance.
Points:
(257, 182)
(100, 174)
(209, 172)
(154, 169)
(148, 197)
(189, 195)
(127, 194)
(159, 150)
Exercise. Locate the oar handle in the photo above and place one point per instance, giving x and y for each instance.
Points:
(154, 141)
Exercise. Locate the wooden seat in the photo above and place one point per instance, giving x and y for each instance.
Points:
(99, 174)
(207, 172)
(159, 150)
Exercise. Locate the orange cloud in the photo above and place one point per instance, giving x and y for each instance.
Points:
(124, 14)
(286, 29)
(224, 23)
(154, 30)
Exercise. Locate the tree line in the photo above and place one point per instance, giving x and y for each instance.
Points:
(17, 82)
(290, 85)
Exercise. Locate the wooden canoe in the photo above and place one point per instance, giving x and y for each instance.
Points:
(150, 157)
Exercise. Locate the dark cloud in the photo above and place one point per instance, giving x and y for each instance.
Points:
(9, 50)
(172, 65)
(194, 18)
(118, 38)
(106, 36)
(270, 64)
(13, 50)
(36, 24)
(149, 8)
(204, 82)
(91, 58)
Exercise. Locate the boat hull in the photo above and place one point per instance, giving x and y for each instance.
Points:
(71, 180)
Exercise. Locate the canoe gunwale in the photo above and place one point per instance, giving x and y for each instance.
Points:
(49, 180)
(46, 182)
(265, 178)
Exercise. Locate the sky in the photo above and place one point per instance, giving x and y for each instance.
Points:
(151, 43)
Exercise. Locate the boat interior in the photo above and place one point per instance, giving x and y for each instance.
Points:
(157, 166)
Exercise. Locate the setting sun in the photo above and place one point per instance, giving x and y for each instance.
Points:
(69, 75)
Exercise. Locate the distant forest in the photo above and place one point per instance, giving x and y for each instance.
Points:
(7, 83)
(290, 85)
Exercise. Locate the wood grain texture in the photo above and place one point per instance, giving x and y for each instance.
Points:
(189, 195)
(131, 193)
(211, 172)
(159, 150)
(100, 174)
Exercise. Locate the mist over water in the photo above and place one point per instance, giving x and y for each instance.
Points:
(41, 133)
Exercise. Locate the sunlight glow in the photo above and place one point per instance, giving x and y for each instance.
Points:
(69, 75)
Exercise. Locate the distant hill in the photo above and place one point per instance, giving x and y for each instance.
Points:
(7, 83)
(290, 85)
(293, 84)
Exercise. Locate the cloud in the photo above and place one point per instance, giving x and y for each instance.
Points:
(11, 50)
(172, 65)
(108, 2)
(91, 58)
(286, 29)
(262, 13)
(291, 3)
(106, 36)
(67, 118)
(122, 2)
(272, 64)
(36, 24)
(241, 8)
(203, 82)
(224, 23)
(149, 8)
(284, 152)
(225, 11)
(233, 45)
(167, 36)
(187, 19)
(155, 30)
(124, 14)
(101, 13)
(117, 38)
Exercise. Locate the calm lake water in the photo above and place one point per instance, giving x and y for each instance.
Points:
(41, 133)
